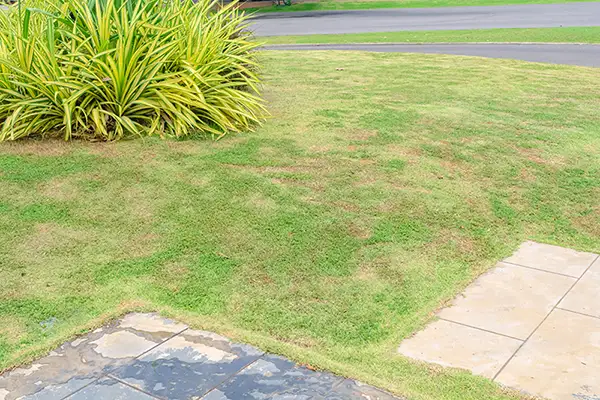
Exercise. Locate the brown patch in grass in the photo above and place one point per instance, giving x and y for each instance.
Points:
(142, 245)
(350, 207)
(316, 186)
(590, 222)
(140, 207)
(46, 147)
(258, 200)
(526, 175)
(259, 277)
(320, 149)
(359, 134)
(409, 154)
(50, 236)
(172, 275)
(61, 189)
(359, 230)
(366, 273)
(11, 329)
(105, 149)
(536, 156)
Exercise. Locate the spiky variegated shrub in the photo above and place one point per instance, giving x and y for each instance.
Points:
(110, 69)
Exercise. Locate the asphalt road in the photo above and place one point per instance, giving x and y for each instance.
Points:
(412, 19)
(573, 54)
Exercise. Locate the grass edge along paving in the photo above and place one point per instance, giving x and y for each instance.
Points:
(382, 185)
(507, 35)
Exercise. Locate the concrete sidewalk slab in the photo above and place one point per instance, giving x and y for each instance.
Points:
(531, 324)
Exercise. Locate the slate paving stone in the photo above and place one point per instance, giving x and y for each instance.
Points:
(274, 377)
(77, 363)
(109, 389)
(353, 390)
(188, 365)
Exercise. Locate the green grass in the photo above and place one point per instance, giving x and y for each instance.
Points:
(517, 35)
(372, 197)
(375, 4)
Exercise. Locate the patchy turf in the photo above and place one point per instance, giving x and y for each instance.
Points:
(381, 186)
(509, 35)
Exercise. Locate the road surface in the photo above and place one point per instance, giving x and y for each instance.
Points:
(573, 54)
(412, 19)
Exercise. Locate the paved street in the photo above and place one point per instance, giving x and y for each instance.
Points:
(412, 19)
(573, 54)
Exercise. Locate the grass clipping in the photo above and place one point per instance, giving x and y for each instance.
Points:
(112, 69)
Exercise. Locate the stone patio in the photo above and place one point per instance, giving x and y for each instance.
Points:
(145, 357)
(532, 323)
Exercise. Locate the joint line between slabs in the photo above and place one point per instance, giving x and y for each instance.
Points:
(230, 377)
(541, 270)
(481, 329)
(577, 312)
(131, 386)
(545, 318)
(108, 374)
(83, 387)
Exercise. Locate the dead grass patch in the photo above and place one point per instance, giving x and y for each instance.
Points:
(62, 189)
(537, 156)
(359, 134)
(49, 236)
(172, 275)
(46, 147)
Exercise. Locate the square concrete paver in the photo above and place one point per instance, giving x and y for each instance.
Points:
(107, 388)
(561, 361)
(552, 258)
(585, 296)
(509, 300)
(354, 390)
(80, 362)
(454, 345)
(532, 323)
(274, 376)
(188, 365)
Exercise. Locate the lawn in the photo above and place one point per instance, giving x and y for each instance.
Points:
(373, 4)
(379, 188)
(514, 35)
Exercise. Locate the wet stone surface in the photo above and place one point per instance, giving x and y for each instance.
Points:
(80, 362)
(144, 356)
